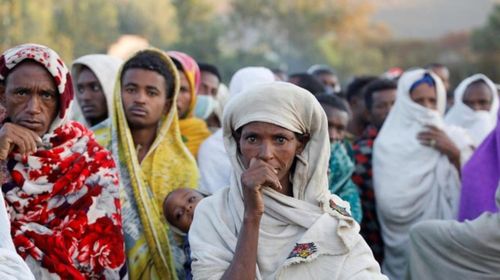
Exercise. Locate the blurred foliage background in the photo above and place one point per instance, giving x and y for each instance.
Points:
(286, 34)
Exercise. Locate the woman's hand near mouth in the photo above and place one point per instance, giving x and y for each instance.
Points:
(258, 175)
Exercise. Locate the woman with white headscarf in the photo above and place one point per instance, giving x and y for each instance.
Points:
(475, 108)
(214, 165)
(416, 165)
(277, 220)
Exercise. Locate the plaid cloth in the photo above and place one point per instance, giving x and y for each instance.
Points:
(362, 177)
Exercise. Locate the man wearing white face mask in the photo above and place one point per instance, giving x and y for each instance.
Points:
(209, 98)
(476, 107)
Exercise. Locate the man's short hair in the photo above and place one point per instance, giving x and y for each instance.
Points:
(151, 61)
(332, 101)
(374, 86)
(355, 87)
(320, 69)
(308, 82)
(210, 68)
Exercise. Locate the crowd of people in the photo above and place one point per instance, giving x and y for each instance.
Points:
(153, 168)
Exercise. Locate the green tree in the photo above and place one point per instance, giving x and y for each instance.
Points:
(153, 19)
(200, 29)
(25, 21)
(487, 45)
(307, 32)
(86, 26)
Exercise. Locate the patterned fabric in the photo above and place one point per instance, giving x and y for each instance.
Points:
(341, 168)
(167, 166)
(362, 177)
(193, 130)
(303, 250)
(63, 199)
(339, 209)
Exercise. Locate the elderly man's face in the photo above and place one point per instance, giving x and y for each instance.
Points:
(30, 97)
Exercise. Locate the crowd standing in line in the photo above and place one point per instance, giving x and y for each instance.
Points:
(166, 173)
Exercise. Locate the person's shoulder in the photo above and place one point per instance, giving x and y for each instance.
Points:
(210, 141)
(102, 132)
(212, 208)
(195, 124)
(105, 124)
(213, 142)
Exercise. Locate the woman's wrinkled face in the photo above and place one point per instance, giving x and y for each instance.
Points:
(273, 144)
(179, 206)
(425, 95)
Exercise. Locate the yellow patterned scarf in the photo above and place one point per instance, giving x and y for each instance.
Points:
(167, 166)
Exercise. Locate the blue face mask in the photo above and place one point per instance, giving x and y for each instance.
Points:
(205, 105)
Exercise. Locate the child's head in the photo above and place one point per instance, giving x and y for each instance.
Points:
(178, 207)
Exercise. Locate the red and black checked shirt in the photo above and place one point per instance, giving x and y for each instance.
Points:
(362, 177)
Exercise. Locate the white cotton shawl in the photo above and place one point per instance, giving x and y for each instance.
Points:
(477, 123)
(412, 182)
(221, 97)
(12, 266)
(247, 77)
(338, 251)
(105, 68)
(459, 251)
(213, 162)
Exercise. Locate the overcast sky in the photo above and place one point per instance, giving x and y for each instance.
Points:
(432, 18)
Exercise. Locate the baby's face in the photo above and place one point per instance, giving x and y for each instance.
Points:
(179, 207)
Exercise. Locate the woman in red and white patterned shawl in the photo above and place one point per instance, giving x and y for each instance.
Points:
(63, 198)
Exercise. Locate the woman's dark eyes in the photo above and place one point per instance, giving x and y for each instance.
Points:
(280, 139)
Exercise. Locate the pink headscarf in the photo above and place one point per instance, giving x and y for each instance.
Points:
(192, 72)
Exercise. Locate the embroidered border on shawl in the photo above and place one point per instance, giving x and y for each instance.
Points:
(303, 250)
